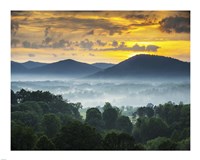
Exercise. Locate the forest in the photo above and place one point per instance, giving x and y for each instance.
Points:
(41, 120)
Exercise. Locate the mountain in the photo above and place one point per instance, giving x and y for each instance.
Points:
(17, 68)
(146, 66)
(32, 64)
(66, 68)
(103, 65)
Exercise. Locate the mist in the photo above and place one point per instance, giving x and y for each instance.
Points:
(95, 92)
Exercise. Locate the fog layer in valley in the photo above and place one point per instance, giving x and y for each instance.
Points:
(92, 93)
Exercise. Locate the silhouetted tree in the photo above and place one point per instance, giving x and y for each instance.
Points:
(123, 141)
(22, 138)
(78, 136)
(124, 124)
(110, 116)
(44, 143)
(13, 98)
(94, 118)
(51, 124)
(161, 143)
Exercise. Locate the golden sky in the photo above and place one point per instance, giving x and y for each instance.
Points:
(98, 36)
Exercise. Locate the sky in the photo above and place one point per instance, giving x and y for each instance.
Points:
(98, 36)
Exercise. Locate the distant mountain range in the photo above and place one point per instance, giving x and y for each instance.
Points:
(103, 65)
(135, 67)
(18, 68)
(32, 64)
(62, 68)
(146, 66)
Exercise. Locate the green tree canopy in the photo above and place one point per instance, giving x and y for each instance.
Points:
(124, 124)
(44, 143)
(78, 136)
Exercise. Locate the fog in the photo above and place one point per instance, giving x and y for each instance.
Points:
(92, 93)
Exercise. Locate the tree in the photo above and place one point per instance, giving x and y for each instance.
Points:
(44, 143)
(141, 111)
(110, 116)
(106, 106)
(22, 138)
(78, 136)
(94, 118)
(29, 119)
(51, 124)
(13, 98)
(114, 141)
(124, 124)
(161, 143)
(149, 112)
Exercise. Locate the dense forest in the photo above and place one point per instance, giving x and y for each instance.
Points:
(41, 120)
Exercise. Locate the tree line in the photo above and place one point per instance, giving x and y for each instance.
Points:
(41, 120)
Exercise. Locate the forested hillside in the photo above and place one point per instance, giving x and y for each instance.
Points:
(43, 121)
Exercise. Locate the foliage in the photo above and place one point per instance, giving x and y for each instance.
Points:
(78, 136)
(43, 121)
(123, 141)
(44, 143)
(124, 124)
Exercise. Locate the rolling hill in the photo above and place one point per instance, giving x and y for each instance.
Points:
(148, 66)
(103, 65)
(18, 68)
(66, 68)
(32, 64)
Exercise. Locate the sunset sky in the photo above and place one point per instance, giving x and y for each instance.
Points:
(103, 36)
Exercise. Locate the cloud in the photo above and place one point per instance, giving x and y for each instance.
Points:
(14, 42)
(114, 43)
(135, 48)
(31, 55)
(175, 24)
(14, 28)
(152, 48)
(46, 41)
(46, 31)
(86, 44)
(26, 44)
(100, 43)
(90, 54)
(61, 44)
(136, 16)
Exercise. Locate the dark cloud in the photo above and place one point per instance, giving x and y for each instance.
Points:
(114, 43)
(86, 44)
(148, 19)
(152, 48)
(79, 23)
(136, 16)
(61, 44)
(46, 41)
(35, 45)
(14, 28)
(31, 55)
(175, 24)
(26, 44)
(122, 46)
(100, 43)
(136, 47)
(15, 42)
